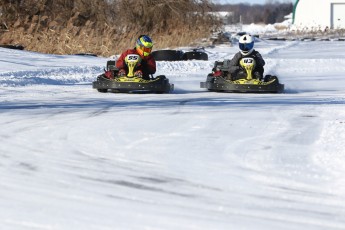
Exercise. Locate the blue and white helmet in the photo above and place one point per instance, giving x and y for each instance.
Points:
(246, 44)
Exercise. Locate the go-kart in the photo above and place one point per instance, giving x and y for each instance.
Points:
(221, 80)
(130, 83)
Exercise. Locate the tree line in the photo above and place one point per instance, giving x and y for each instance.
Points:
(269, 13)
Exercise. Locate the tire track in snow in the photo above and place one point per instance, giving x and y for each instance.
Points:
(55, 76)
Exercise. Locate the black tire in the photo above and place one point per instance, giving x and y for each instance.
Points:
(14, 47)
(268, 78)
(167, 55)
(86, 54)
(102, 90)
(161, 77)
(195, 55)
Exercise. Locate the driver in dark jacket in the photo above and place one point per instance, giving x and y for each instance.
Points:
(246, 45)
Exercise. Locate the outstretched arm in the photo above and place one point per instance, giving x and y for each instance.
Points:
(120, 63)
(234, 63)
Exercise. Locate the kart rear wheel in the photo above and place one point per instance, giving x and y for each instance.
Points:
(268, 78)
(102, 90)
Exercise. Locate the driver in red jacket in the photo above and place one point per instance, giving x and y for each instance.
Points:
(147, 66)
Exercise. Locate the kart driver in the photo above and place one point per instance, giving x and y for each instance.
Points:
(147, 66)
(246, 45)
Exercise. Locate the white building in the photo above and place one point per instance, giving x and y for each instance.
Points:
(319, 14)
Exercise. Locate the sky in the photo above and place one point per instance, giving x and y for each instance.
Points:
(73, 158)
(251, 1)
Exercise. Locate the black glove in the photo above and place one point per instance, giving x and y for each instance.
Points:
(138, 73)
(257, 75)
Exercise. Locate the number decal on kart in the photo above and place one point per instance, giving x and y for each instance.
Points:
(248, 60)
(132, 57)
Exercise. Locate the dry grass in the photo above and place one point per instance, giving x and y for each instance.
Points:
(80, 26)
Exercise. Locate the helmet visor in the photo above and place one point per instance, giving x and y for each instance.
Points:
(246, 46)
(143, 51)
(146, 49)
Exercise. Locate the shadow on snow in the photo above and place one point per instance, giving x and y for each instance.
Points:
(166, 103)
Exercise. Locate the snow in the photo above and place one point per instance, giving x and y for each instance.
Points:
(73, 158)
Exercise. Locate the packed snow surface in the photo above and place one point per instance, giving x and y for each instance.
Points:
(73, 158)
